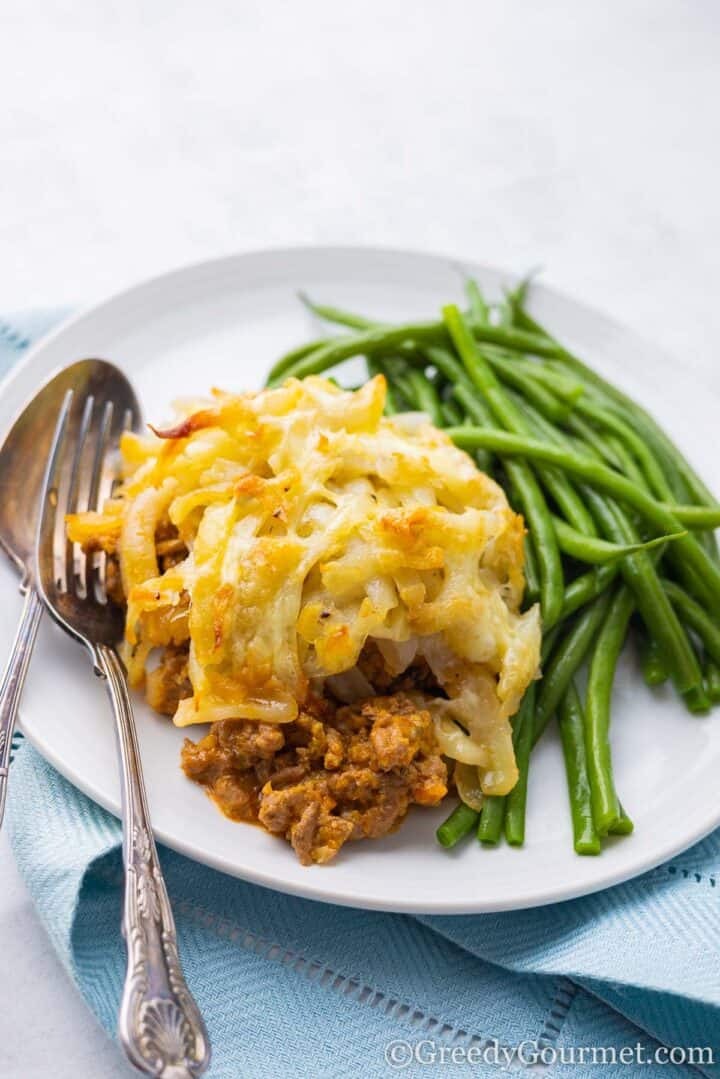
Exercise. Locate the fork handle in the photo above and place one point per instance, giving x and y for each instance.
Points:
(159, 1024)
(13, 680)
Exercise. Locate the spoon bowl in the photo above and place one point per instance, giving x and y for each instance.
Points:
(24, 452)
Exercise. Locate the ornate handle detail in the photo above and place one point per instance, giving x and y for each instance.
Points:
(159, 1023)
(13, 680)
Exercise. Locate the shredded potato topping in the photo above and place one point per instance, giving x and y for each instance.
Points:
(279, 531)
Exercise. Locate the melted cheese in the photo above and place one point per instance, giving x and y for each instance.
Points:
(313, 523)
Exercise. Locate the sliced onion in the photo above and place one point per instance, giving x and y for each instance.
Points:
(441, 660)
(398, 655)
(454, 743)
(350, 686)
(467, 781)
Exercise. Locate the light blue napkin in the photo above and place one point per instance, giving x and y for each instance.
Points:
(293, 987)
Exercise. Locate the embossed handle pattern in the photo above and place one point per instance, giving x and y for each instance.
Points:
(12, 683)
(159, 1024)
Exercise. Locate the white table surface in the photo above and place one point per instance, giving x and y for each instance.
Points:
(135, 137)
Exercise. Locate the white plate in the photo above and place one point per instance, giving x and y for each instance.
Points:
(223, 323)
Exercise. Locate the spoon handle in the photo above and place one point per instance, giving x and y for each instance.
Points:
(13, 680)
(159, 1024)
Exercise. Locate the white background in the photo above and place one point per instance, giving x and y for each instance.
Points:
(136, 136)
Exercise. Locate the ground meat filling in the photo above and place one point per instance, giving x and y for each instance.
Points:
(417, 677)
(169, 682)
(334, 774)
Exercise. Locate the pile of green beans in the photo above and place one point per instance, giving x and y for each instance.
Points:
(620, 528)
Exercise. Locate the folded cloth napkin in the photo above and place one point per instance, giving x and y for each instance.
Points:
(604, 984)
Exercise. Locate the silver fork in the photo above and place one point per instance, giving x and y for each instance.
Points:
(159, 1023)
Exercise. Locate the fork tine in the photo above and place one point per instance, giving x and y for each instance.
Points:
(74, 555)
(51, 498)
(94, 493)
(73, 488)
(94, 579)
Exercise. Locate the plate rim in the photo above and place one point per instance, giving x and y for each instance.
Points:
(543, 896)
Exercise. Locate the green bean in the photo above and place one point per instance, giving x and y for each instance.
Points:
(460, 823)
(591, 549)
(452, 414)
(387, 338)
(449, 367)
(626, 461)
(425, 396)
(709, 543)
(475, 407)
(639, 416)
(462, 389)
(549, 640)
(693, 615)
(538, 423)
(492, 816)
(695, 517)
(661, 621)
(477, 410)
(476, 301)
(697, 701)
(486, 371)
(516, 800)
(480, 371)
(604, 448)
(681, 490)
(712, 681)
(566, 659)
(623, 825)
(523, 479)
(533, 389)
(581, 547)
(653, 473)
(532, 574)
(586, 587)
(566, 496)
(363, 343)
(568, 501)
(517, 296)
(606, 807)
(399, 380)
(689, 574)
(503, 313)
(669, 518)
(555, 382)
(653, 663)
(291, 358)
(338, 315)
(572, 733)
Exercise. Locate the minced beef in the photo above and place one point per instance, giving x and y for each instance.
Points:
(332, 775)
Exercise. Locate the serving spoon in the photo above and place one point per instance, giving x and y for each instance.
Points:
(23, 454)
